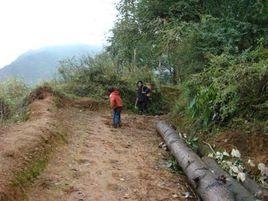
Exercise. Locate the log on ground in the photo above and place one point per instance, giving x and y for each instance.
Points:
(255, 189)
(239, 191)
(208, 187)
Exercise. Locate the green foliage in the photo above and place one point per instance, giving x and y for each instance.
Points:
(211, 48)
(173, 165)
(216, 51)
(27, 176)
(91, 77)
(229, 87)
(180, 35)
(12, 94)
(192, 142)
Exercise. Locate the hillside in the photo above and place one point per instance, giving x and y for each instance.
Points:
(41, 64)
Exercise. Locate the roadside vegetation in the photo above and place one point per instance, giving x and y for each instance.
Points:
(12, 101)
(212, 57)
(206, 60)
(91, 77)
(216, 53)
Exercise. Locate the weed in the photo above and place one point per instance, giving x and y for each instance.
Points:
(28, 175)
(173, 164)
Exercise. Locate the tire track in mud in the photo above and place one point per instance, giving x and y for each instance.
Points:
(99, 162)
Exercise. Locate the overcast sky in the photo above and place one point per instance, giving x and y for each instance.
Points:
(30, 24)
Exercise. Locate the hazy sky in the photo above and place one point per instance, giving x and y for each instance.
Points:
(30, 24)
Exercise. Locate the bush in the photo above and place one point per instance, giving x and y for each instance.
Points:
(230, 86)
(12, 96)
(4, 110)
(88, 77)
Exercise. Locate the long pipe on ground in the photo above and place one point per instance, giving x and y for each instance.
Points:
(239, 191)
(207, 185)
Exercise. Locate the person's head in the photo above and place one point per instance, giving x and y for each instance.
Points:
(139, 83)
(110, 89)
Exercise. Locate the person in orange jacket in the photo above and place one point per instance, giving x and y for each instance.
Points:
(116, 106)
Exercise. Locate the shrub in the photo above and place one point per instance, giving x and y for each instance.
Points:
(12, 95)
(88, 77)
(230, 86)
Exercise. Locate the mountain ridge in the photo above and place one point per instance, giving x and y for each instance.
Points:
(41, 64)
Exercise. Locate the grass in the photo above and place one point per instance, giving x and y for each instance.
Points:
(27, 176)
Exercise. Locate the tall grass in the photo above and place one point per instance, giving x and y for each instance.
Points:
(12, 100)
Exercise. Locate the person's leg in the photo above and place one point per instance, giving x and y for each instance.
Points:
(116, 117)
(119, 115)
(144, 107)
(140, 106)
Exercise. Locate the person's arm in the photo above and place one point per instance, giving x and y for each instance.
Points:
(112, 102)
(137, 98)
(136, 102)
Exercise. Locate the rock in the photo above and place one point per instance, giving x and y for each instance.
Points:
(186, 194)
(126, 196)
(175, 195)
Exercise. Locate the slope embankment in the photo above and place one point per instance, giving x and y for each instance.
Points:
(25, 147)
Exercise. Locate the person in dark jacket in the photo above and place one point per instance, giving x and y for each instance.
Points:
(142, 99)
(116, 106)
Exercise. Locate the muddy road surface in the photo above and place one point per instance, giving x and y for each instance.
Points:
(100, 163)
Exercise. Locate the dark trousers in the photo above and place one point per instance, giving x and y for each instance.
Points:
(142, 105)
(117, 116)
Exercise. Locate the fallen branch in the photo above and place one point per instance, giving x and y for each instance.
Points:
(208, 187)
(209, 145)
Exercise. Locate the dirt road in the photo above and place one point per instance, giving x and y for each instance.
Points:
(100, 163)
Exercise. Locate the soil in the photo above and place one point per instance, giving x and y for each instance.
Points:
(22, 142)
(251, 146)
(96, 161)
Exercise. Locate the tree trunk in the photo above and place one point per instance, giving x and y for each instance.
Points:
(208, 187)
(239, 191)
